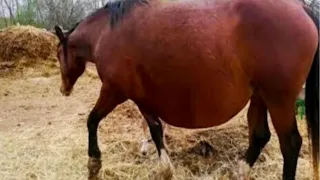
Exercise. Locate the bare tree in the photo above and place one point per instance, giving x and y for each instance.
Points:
(47, 13)
(10, 9)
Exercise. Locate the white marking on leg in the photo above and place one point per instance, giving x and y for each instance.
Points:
(165, 159)
(145, 141)
(164, 128)
(144, 146)
(244, 170)
(166, 167)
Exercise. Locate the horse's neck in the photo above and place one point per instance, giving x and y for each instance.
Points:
(92, 31)
(78, 41)
(87, 36)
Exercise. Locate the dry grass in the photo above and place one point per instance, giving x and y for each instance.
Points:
(24, 47)
(43, 136)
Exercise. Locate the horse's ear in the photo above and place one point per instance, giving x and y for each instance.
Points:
(59, 33)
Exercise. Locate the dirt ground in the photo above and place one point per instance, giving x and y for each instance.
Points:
(43, 136)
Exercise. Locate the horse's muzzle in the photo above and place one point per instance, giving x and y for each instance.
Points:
(64, 91)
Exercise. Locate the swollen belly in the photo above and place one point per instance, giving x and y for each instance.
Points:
(204, 112)
(202, 119)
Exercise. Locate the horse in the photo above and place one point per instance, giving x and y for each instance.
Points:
(196, 63)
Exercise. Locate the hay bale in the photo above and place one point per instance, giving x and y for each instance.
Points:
(28, 44)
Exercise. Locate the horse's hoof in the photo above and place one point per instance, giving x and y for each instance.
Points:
(94, 165)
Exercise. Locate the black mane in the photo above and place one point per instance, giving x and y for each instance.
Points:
(115, 9)
(118, 9)
(73, 28)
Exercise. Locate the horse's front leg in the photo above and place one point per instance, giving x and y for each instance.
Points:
(109, 98)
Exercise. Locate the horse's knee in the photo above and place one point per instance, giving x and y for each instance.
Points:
(93, 120)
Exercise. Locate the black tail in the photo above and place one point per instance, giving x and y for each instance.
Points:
(312, 102)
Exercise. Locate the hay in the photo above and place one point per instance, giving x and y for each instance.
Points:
(26, 46)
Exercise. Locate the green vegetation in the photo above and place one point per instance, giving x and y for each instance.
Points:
(300, 108)
(26, 14)
(5, 22)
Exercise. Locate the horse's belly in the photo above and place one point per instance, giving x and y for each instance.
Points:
(205, 110)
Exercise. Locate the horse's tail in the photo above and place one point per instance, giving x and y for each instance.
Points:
(312, 102)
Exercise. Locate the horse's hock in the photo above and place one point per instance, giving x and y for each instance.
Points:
(25, 46)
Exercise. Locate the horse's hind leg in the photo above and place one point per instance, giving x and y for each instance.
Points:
(282, 112)
(107, 101)
(259, 133)
(156, 131)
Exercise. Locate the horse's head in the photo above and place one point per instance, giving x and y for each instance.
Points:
(72, 61)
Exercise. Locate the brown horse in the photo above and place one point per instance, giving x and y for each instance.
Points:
(196, 63)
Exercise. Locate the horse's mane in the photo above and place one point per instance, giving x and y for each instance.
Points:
(115, 9)
(73, 28)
